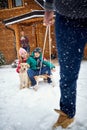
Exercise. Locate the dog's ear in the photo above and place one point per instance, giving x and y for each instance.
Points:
(20, 64)
(19, 70)
(28, 65)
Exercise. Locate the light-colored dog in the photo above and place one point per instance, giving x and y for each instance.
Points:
(24, 79)
(44, 77)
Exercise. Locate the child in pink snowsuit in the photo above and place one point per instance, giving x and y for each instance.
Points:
(22, 58)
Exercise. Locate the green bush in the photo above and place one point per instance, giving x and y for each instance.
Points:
(2, 59)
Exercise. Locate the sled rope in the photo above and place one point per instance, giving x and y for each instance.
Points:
(44, 45)
(50, 45)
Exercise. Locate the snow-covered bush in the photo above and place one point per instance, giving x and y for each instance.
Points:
(15, 63)
(2, 59)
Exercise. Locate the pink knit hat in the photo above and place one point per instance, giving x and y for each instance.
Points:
(22, 51)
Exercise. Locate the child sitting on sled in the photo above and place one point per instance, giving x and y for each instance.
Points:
(38, 66)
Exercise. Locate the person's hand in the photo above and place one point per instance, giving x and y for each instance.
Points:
(48, 18)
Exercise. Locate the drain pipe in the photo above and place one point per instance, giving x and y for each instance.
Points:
(14, 38)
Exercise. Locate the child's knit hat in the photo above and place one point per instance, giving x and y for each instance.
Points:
(38, 49)
(22, 51)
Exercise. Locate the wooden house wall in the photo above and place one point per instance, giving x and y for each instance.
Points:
(30, 32)
(8, 13)
(41, 30)
(85, 52)
(7, 44)
(35, 32)
(7, 39)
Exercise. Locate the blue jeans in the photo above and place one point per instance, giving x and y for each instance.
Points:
(71, 39)
(32, 73)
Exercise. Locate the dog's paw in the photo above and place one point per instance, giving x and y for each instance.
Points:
(35, 87)
(21, 87)
(52, 84)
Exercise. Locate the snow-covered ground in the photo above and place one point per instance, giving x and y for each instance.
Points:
(27, 109)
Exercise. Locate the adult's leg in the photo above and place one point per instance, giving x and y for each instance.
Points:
(70, 45)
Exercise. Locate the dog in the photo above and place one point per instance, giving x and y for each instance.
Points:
(43, 77)
(24, 79)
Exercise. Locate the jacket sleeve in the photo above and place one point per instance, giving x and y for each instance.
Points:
(49, 5)
(28, 60)
(18, 67)
(47, 63)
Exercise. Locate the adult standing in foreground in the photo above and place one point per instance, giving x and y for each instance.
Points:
(71, 37)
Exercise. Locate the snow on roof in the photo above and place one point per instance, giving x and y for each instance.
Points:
(30, 15)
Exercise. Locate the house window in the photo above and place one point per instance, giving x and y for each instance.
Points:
(3, 4)
(8, 4)
(16, 3)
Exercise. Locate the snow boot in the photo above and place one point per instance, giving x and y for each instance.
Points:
(67, 122)
(63, 120)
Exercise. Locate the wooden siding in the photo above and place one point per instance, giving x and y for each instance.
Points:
(85, 52)
(7, 38)
(7, 44)
(33, 28)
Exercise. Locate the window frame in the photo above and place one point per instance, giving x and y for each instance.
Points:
(6, 7)
(18, 5)
(10, 5)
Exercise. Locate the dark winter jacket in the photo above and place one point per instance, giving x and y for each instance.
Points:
(70, 8)
(25, 43)
(35, 63)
